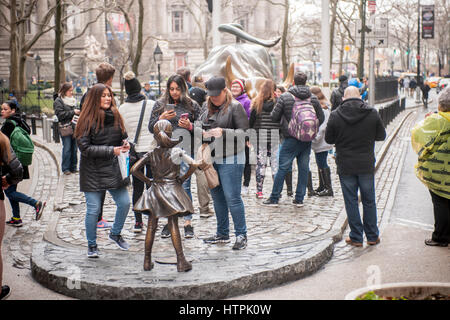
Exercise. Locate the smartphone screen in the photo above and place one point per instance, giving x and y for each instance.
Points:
(169, 107)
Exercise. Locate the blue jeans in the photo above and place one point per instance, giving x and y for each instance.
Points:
(227, 196)
(184, 167)
(321, 159)
(94, 205)
(16, 197)
(291, 149)
(366, 184)
(69, 154)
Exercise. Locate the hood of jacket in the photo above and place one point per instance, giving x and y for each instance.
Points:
(353, 110)
(301, 92)
(268, 106)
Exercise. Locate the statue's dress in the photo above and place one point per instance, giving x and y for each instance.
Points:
(166, 196)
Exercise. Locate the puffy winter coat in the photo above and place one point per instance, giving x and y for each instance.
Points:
(245, 101)
(319, 144)
(263, 120)
(337, 95)
(284, 105)
(99, 167)
(13, 171)
(131, 112)
(353, 128)
(63, 111)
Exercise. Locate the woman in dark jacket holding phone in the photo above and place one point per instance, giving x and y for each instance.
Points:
(65, 110)
(101, 135)
(181, 111)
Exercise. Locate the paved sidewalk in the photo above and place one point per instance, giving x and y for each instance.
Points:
(285, 243)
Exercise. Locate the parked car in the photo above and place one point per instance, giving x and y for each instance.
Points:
(442, 84)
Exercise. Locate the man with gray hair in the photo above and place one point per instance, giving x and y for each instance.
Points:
(353, 128)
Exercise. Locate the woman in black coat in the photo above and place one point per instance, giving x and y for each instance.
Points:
(11, 173)
(65, 110)
(101, 135)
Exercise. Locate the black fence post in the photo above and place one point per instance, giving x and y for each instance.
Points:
(55, 130)
(33, 124)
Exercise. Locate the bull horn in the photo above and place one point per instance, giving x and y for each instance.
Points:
(229, 75)
(238, 32)
(290, 77)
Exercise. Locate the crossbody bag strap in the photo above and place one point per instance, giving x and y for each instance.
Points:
(141, 118)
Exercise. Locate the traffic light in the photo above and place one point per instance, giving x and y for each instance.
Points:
(210, 5)
(408, 51)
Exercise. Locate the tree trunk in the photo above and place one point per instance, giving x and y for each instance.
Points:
(362, 15)
(284, 60)
(341, 56)
(333, 4)
(137, 58)
(58, 45)
(14, 50)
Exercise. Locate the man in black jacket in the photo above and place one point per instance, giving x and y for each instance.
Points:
(338, 94)
(293, 148)
(353, 128)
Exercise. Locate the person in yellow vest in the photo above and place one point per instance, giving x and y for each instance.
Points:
(430, 139)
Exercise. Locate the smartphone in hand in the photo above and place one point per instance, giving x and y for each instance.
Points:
(169, 107)
(184, 116)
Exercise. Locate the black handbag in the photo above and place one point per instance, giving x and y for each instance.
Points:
(134, 157)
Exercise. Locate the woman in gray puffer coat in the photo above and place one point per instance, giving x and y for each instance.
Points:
(101, 135)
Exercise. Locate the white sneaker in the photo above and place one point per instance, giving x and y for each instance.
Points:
(244, 190)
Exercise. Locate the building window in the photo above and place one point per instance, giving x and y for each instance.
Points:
(243, 21)
(177, 21)
(180, 60)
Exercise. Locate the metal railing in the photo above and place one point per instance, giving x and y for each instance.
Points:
(391, 110)
(386, 88)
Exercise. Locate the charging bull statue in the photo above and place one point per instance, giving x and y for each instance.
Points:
(248, 61)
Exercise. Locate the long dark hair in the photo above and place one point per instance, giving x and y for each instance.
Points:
(92, 115)
(64, 88)
(184, 98)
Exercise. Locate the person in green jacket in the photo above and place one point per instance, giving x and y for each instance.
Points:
(431, 141)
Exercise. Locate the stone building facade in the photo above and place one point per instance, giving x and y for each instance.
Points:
(180, 27)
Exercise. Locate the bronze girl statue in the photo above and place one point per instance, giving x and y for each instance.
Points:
(165, 197)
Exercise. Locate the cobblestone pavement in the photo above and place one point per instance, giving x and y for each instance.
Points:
(294, 241)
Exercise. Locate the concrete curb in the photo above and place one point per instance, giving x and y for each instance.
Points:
(67, 279)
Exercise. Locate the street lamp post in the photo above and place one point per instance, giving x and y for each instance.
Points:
(38, 61)
(314, 55)
(158, 58)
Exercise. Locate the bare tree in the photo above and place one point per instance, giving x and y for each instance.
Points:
(20, 14)
(60, 24)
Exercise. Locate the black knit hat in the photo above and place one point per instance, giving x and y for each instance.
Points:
(343, 78)
(132, 85)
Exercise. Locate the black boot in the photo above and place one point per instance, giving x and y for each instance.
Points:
(321, 185)
(328, 191)
(288, 180)
(311, 192)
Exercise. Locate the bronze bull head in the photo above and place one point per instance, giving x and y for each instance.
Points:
(248, 61)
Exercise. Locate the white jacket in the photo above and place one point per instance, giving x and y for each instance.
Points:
(318, 144)
(130, 113)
